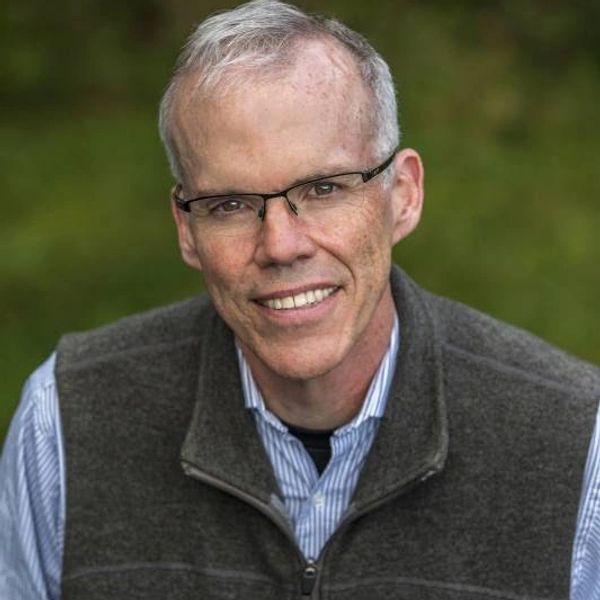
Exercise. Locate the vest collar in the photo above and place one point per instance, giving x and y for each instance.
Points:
(411, 444)
(222, 440)
(412, 441)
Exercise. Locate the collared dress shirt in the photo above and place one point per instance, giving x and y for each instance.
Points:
(585, 572)
(33, 477)
(316, 504)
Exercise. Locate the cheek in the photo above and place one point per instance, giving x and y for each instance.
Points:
(223, 278)
(371, 237)
(230, 276)
(223, 265)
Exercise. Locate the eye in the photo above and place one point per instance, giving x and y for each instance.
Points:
(323, 188)
(230, 205)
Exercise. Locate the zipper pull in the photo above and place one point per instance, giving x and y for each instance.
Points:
(309, 578)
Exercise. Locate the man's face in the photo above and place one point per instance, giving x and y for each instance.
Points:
(262, 136)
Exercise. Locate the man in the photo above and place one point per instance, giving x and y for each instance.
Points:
(318, 426)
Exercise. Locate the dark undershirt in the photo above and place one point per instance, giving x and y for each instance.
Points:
(316, 442)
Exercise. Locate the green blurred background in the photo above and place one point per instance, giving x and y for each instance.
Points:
(501, 98)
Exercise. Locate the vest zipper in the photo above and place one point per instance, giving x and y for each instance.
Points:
(309, 578)
(310, 569)
(352, 515)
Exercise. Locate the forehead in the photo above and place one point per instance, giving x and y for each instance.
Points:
(312, 114)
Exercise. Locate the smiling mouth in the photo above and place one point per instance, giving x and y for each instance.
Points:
(299, 300)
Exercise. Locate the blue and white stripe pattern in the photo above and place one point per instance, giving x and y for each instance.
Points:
(32, 494)
(585, 572)
(317, 504)
(33, 479)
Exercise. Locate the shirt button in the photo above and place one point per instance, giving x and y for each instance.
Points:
(319, 500)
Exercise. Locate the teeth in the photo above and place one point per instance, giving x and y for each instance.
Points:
(299, 300)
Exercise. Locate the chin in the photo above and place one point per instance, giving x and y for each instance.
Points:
(302, 365)
(300, 372)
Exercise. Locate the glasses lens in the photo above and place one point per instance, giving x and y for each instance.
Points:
(320, 201)
(327, 195)
(233, 214)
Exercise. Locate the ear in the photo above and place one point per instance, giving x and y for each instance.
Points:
(407, 193)
(185, 236)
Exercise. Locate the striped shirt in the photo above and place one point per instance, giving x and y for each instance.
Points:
(32, 494)
(317, 504)
(585, 572)
(33, 477)
(32, 500)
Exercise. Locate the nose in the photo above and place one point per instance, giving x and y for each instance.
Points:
(283, 238)
(290, 203)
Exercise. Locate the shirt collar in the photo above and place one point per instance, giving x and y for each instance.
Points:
(372, 407)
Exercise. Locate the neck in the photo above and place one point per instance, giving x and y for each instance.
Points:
(334, 398)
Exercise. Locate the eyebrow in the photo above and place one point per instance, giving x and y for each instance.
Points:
(305, 179)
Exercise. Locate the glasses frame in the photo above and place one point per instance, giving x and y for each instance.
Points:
(367, 175)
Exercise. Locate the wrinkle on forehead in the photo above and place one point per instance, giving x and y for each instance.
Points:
(327, 55)
(322, 70)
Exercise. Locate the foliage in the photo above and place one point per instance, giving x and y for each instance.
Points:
(500, 98)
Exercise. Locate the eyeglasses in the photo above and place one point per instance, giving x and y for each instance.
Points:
(317, 200)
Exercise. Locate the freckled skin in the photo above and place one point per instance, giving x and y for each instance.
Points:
(261, 137)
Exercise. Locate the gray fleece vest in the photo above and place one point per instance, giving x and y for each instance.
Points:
(470, 491)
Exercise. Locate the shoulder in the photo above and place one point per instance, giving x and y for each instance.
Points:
(33, 492)
(177, 324)
(486, 343)
(37, 410)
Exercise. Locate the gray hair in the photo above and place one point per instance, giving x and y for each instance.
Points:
(260, 34)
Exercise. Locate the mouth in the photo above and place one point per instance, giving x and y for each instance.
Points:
(299, 300)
